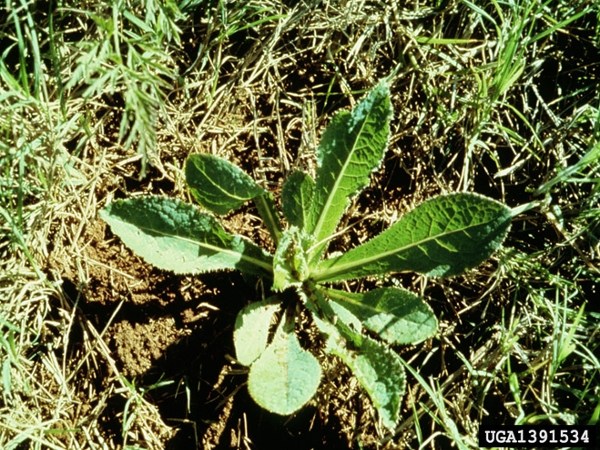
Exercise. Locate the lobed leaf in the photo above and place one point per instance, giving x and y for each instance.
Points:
(251, 331)
(285, 377)
(176, 236)
(352, 147)
(442, 237)
(396, 315)
(296, 198)
(218, 185)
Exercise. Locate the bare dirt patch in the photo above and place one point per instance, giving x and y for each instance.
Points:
(140, 345)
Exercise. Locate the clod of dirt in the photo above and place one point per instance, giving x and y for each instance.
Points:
(139, 345)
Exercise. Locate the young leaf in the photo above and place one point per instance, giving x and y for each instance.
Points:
(442, 237)
(176, 236)
(397, 315)
(285, 377)
(296, 198)
(376, 367)
(252, 330)
(290, 267)
(352, 147)
(218, 185)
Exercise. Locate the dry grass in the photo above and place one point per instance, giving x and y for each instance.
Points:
(109, 100)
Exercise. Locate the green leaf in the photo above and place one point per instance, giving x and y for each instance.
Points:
(442, 237)
(296, 198)
(268, 213)
(285, 377)
(352, 147)
(290, 267)
(380, 372)
(218, 185)
(252, 329)
(377, 368)
(397, 315)
(345, 315)
(176, 236)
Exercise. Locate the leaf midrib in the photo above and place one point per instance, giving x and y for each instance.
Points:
(339, 178)
(255, 261)
(344, 297)
(336, 270)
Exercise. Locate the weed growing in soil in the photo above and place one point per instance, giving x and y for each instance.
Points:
(442, 237)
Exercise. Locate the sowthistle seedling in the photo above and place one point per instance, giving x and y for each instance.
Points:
(442, 237)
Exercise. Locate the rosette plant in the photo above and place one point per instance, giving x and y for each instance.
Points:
(443, 236)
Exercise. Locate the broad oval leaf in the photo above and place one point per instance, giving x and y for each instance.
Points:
(285, 376)
(442, 237)
(396, 315)
(296, 198)
(218, 185)
(377, 368)
(176, 236)
(252, 330)
(352, 146)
